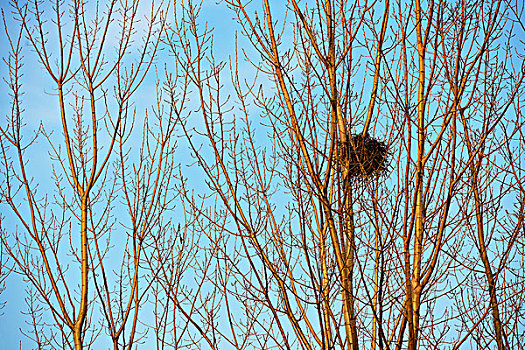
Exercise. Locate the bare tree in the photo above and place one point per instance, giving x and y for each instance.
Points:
(319, 247)
(355, 177)
(110, 192)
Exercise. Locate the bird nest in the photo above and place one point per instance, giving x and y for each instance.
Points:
(365, 156)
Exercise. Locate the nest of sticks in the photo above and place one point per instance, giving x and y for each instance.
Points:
(365, 156)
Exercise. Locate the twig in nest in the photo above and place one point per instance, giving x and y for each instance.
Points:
(365, 156)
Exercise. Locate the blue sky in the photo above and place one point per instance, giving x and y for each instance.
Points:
(41, 107)
(40, 104)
